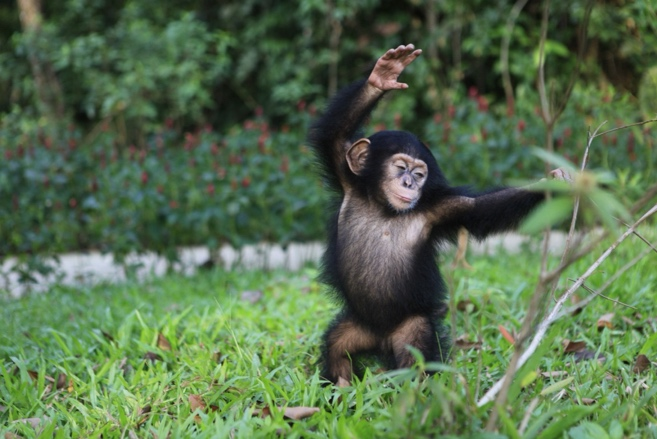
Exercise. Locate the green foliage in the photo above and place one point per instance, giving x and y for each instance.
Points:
(248, 186)
(131, 165)
(90, 361)
(218, 64)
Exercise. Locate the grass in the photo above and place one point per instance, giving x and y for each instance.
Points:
(206, 356)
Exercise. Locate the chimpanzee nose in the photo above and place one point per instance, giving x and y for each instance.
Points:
(407, 181)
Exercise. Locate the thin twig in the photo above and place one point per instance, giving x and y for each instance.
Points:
(638, 235)
(554, 313)
(573, 221)
(645, 199)
(597, 293)
(504, 52)
(528, 414)
(582, 304)
(545, 105)
(581, 50)
(626, 126)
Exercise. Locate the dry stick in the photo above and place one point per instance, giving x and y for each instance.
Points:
(650, 193)
(554, 313)
(582, 304)
(598, 293)
(640, 236)
(537, 297)
(528, 414)
(573, 222)
(504, 52)
(643, 122)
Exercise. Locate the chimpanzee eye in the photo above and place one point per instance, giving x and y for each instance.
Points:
(401, 167)
(419, 175)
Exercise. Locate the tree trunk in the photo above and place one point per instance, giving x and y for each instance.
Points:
(48, 91)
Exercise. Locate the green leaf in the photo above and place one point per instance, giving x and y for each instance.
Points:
(557, 386)
(649, 345)
(528, 378)
(608, 207)
(588, 430)
(573, 414)
(554, 159)
(547, 214)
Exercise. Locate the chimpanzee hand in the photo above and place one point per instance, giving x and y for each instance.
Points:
(562, 175)
(390, 66)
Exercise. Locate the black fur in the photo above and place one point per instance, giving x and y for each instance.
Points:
(390, 287)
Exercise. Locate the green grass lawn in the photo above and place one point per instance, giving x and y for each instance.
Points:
(208, 356)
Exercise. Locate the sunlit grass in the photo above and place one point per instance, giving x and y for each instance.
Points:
(207, 356)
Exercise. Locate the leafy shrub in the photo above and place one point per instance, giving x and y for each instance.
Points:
(254, 183)
(249, 185)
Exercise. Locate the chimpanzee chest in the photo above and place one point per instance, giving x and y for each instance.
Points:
(376, 257)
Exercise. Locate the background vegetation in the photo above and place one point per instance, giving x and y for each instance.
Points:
(126, 127)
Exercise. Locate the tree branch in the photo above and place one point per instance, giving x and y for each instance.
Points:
(554, 313)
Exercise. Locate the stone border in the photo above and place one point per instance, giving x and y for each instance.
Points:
(94, 267)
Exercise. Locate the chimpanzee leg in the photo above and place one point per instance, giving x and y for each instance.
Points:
(344, 339)
(419, 332)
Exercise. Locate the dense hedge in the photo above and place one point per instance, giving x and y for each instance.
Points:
(255, 184)
(126, 127)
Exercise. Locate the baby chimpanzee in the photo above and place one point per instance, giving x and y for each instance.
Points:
(395, 207)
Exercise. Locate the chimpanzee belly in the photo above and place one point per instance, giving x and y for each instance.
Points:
(379, 269)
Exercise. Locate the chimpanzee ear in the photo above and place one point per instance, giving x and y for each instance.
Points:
(357, 155)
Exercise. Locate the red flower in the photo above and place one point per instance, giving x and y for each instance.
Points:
(210, 189)
(72, 202)
(482, 104)
(144, 177)
(246, 182)
(521, 125)
(173, 204)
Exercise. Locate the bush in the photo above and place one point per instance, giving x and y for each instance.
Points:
(249, 185)
(254, 183)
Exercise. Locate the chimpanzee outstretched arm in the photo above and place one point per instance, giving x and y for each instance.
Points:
(334, 132)
(500, 210)
(503, 209)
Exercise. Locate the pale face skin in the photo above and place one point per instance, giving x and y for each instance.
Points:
(403, 179)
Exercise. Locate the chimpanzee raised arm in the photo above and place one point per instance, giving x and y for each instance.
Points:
(334, 132)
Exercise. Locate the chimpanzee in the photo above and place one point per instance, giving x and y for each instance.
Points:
(395, 207)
